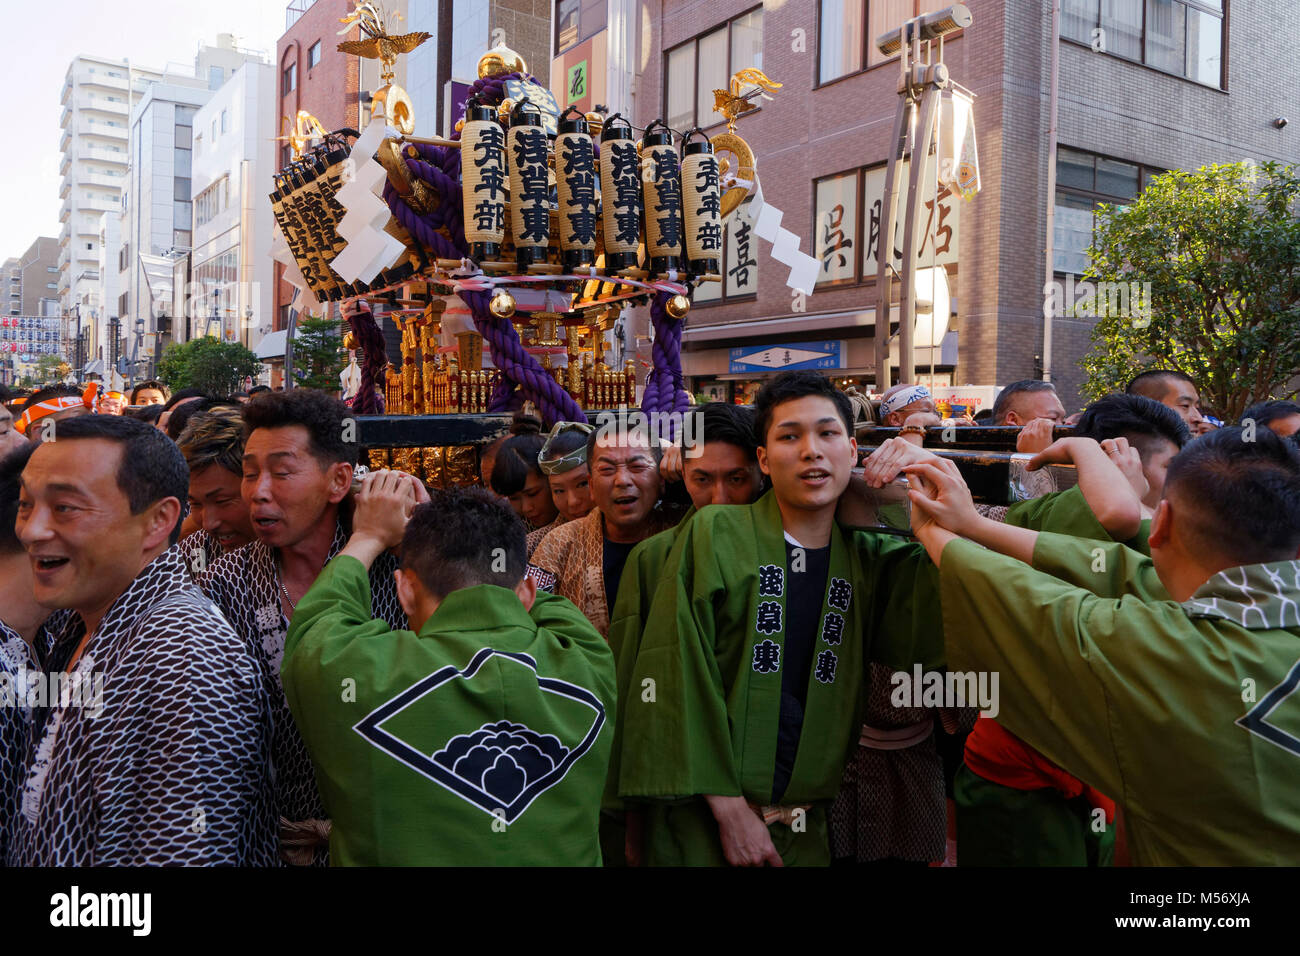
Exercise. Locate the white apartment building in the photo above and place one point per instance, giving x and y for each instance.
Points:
(234, 157)
(101, 147)
(97, 96)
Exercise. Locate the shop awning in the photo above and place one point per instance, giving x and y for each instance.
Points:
(272, 345)
(95, 367)
(158, 270)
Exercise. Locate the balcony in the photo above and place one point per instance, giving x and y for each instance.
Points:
(65, 163)
(86, 101)
(65, 141)
(84, 77)
(65, 211)
(102, 155)
(65, 117)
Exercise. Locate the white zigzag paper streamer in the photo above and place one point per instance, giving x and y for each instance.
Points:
(785, 244)
(369, 249)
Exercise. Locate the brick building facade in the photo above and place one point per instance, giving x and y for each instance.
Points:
(1198, 89)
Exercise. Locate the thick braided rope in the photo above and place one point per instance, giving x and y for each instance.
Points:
(663, 388)
(508, 354)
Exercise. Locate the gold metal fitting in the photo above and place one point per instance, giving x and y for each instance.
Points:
(502, 305)
(678, 306)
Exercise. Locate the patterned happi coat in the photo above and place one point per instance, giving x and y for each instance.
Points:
(245, 584)
(159, 751)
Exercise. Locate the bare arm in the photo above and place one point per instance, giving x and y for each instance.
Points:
(1105, 487)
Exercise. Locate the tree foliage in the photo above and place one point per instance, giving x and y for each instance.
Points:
(317, 355)
(1220, 248)
(219, 368)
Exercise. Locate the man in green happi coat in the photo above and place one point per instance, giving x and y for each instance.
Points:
(1180, 701)
(718, 464)
(479, 737)
(745, 696)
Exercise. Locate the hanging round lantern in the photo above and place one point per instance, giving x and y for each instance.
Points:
(662, 176)
(530, 207)
(620, 194)
(701, 204)
(575, 182)
(486, 188)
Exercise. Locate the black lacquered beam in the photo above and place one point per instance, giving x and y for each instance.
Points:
(938, 437)
(427, 431)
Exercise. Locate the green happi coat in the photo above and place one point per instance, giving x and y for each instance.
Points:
(482, 740)
(1068, 512)
(712, 646)
(1188, 715)
(642, 575)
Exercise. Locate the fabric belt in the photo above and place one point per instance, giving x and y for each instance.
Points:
(895, 738)
(778, 814)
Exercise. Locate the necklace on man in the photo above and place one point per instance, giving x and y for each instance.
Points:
(287, 600)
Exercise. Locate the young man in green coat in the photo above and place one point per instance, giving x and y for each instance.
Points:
(755, 649)
(1178, 702)
(479, 737)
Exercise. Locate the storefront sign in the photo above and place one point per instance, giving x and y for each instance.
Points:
(787, 358)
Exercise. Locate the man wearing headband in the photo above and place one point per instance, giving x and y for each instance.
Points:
(563, 460)
(50, 405)
(904, 400)
(213, 446)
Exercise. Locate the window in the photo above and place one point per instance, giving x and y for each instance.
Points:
(576, 21)
(181, 189)
(848, 29)
(847, 209)
(1182, 37)
(216, 76)
(286, 155)
(694, 69)
(225, 124)
(313, 55)
(835, 205)
(289, 81)
(51, 269)
(1084, 181)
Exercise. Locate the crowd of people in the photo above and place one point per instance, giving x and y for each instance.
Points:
(222, 641)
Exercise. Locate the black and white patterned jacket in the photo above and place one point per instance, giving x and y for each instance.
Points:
(245, 584)
(160, 755)
(17, 663)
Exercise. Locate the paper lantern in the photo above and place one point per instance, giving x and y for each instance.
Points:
(701, 204)
(662, 176)
(575, 181)
(530, 207)
(620, 194)
(485, 187)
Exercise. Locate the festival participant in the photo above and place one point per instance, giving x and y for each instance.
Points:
(213, 446)
(182, 405)
(150, 759)
(516, 687)
(1282, 418)
(11, 439)
(1141, 437)
(21, 638)
(754, 654)
(1088, 679)
(1172, 388)
(48, 406)
(902, 401)
(1033, 405)
(518, 478)
(297, 469)
(150, 393)
(563, 460)
(112, 403)
(722, 469)
(584, 560)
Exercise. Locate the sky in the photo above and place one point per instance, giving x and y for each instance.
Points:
(149, 32)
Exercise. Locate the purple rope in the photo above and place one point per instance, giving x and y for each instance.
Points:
(663, 387)
(370, 398)
(517, 365)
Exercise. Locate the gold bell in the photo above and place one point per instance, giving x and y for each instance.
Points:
(678, 306)
(350, 341)
(502, 305)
